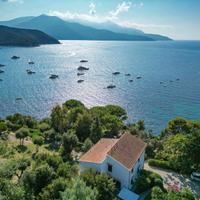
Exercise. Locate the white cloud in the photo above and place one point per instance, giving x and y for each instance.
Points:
(112, 16)
(76, 16)
(121, 8)
(130, 24)
(92, 10)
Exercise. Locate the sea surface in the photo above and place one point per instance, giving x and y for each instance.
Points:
(169, 87)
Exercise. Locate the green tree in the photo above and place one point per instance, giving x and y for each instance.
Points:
(69, 142)
(22, 120)
(141, 125)
(87, 145)
(8, 169)
(3, 127)
(67, 170)
(96, 132)
(112, 125)
(34, 181)
(116, 111)
(147, 180)
(79, 191)
(58, 119)
(38, 141)
(194, 148)
(11, 191)
(82, 126)
(21, 134)
(105, 186)
(44, 127)
(175, 150)
(185, 194)
(70, 104)
(22, 166)
(157, 194)
(53, 190)
(179, 125)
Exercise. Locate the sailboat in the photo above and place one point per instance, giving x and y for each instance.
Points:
(31, 62)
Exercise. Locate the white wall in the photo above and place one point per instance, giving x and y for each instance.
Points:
(119, 172)
(139, 165)
(87, 165)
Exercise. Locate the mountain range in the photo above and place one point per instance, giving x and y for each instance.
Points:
(24, 37)
(82, 30)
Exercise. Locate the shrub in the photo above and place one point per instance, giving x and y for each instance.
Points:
(160, 163)
(34, 133)
(3, 127)
(146, 181)
(44, 127)
(3, 147)
(87, 145)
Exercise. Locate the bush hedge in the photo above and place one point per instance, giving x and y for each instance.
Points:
(160, 163)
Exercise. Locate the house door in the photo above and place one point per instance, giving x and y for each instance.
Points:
(118, 184)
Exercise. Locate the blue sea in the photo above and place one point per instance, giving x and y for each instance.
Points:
(169, 87)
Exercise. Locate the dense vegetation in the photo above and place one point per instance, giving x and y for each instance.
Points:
(178, 147)
(24, 37)
(38, 159)
(158, 194)
(146, 181)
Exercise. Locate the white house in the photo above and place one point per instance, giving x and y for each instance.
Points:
(122, 158)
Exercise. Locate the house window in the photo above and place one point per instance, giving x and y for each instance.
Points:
(132, 181)
(109, 167)
(132, 170)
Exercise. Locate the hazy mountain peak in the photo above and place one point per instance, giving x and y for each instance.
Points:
(81, 30)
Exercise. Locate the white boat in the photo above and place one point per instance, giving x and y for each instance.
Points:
(31, 62)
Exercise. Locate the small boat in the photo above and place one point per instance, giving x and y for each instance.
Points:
(80, 74)
(29, 71)
(178, 79)
(83, 61)
(127, 74)
(2, 65)
(80, 81)
(81, 68)
(18, 99)
(139, 77)
(116, 73)
(111, 86)
(1, 71)
(15, 57)
(53, 76)
(31, 63)
(130, 81)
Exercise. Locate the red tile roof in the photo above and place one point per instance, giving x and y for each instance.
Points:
(98, 152)
(126, 150)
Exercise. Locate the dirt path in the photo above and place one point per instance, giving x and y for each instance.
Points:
(173, 178)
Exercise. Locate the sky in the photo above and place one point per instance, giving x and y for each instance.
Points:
(178, 19)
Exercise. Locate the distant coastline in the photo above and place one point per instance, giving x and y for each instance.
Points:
(68, 30)
(24, 37)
